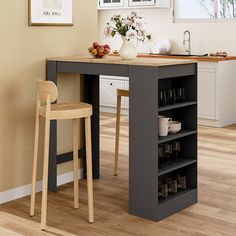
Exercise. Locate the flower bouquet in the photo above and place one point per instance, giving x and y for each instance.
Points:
(131, 29)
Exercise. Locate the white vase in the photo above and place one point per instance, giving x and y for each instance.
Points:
(128, 49)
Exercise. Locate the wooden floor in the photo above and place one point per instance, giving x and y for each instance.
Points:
(215, 214)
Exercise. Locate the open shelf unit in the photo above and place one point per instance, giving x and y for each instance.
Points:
(186, 113)
(145, 174)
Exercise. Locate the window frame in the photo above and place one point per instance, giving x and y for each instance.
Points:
(112, 4)
(216, 18)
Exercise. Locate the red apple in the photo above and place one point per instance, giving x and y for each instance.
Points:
(100, 55)
(100, 49)
(106, 50)
(95, 45)
(106, 46)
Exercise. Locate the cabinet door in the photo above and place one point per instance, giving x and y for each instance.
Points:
(108, 92)
(141, 2)
(207, 93)
(163, 3)
(111, 3)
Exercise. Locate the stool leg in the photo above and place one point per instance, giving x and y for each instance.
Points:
(89, 168)
(35, 160)
(117, 139)
(45, 174)
(75, 124)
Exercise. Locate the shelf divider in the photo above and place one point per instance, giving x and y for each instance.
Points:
(183, 163)
(176, 106)
(181, 134)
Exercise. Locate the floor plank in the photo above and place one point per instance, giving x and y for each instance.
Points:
(215, 214)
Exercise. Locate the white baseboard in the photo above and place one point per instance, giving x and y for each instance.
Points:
(25, 190)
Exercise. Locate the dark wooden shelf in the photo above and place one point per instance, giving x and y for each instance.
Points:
(175, 166)
(181, 134)
(176, 196)
(176, 106)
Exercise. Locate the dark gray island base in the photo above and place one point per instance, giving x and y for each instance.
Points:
(147, 77)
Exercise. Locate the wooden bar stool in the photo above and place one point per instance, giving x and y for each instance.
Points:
(47, 94)
(120, 93)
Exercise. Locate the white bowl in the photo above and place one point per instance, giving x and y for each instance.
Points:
(174, 130)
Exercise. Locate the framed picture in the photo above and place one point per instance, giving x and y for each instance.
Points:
(51, 12)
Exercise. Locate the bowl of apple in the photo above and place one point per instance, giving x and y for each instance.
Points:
(98, 50)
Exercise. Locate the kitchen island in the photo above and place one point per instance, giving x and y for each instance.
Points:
(147, 76)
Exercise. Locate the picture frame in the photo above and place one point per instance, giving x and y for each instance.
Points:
(51, 13)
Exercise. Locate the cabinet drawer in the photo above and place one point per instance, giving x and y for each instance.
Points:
(207, 94)
(108, 92)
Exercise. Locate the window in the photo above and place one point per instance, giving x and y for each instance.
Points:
(205, 9)
(226, 9)
(111, 3)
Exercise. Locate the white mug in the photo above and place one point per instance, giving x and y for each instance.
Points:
(164, 125)
(164, 130)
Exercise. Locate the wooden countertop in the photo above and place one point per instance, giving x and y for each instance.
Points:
(195, 58)
(148, 61)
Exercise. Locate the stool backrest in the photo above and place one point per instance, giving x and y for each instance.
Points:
(46, 88)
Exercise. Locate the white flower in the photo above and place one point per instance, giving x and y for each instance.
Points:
(142, 32)
(138, 24)
(131, 34)
(126, 22)
(108, 31)
(136, 15)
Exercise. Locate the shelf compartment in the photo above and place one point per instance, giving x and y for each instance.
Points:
(176, 106)
(169, 200)
(176, 203)
(183, 163)
(181, 134)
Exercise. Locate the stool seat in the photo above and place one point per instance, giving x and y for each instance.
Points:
(67, 111)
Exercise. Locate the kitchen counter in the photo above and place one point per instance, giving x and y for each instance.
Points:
(195, 58)
(147, 77)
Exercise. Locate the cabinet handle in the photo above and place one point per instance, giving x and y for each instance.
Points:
(111, 84)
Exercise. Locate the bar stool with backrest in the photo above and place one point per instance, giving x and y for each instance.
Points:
(120, 93)
(47, 94)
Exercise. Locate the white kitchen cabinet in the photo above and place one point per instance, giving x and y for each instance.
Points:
(108, 92)
(207, 93)
(110, 3)
(127, 98)
(216, 93)
(128, 4)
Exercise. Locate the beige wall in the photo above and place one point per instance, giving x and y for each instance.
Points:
(206, 37)
(23, 51)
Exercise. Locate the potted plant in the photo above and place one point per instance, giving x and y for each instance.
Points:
(131, 29)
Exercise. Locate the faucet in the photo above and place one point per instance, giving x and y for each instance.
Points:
(188, 40)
